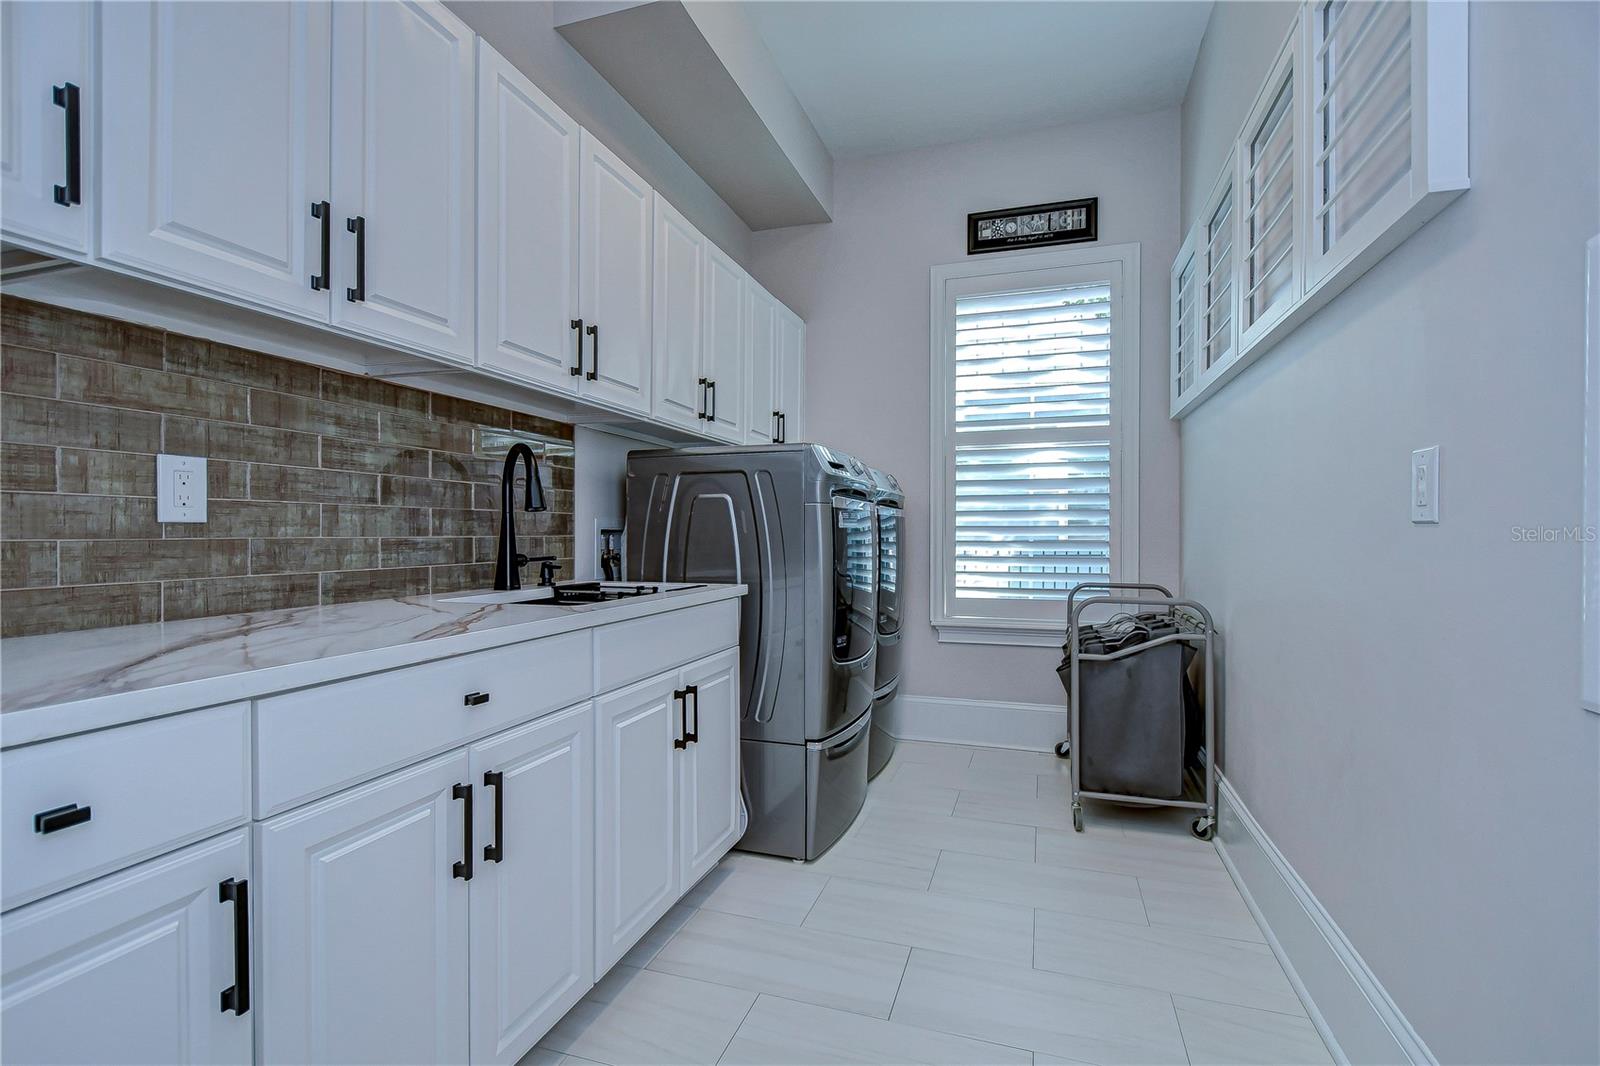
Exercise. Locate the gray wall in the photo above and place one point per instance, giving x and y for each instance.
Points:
(861, 284)
(525, 34)
(1403, 700)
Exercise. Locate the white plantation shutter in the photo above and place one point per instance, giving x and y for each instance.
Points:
(1361, 124)
(1032, 411)
(1269, 223)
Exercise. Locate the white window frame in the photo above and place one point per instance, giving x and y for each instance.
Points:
(1438, 174)
(1046, 625)
(1287, 68)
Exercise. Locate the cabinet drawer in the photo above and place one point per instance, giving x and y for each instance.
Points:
(630, 651)
(139, 790)
(315, 741)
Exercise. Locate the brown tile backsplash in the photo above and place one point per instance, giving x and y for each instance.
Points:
(324, 487)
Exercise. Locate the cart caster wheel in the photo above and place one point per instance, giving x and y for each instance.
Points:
(1077, 818)
(1203, 827)
(1064, 749)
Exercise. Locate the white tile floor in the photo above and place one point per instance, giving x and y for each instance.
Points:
(961, 920)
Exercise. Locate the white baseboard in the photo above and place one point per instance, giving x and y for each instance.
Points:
(1348, 1005)
(988, 723)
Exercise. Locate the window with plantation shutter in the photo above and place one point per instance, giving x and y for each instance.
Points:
(1031, 366)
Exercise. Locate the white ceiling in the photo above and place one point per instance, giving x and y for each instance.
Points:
(889, 75)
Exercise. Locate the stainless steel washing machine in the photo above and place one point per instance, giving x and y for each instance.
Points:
(797, 524)
(891, 503)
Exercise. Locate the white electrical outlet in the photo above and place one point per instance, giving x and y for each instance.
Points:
(180, 488)
(1425, 485)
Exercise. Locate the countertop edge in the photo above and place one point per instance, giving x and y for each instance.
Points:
(53, 721)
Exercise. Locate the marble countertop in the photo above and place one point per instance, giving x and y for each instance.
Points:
(61, 683)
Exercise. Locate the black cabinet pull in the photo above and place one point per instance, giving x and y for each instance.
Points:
(691, 736)
(463, 869)
(66, 97)
(237, 998)
(711, 389)
(321, 209)
(496, 780)
(476, 699)
(776, 435)
(577, 324)
(682, 696)
(705, 399)
(358, 226)
(594, 351)
(58, 818)
(783, 427)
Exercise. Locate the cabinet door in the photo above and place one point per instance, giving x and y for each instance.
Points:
(45, 49)
(791, 374)
(724, 344)
(533, 896)
(708, 769)
(527, 228)
(680, 385)
(636, 869)
(404, 188)
(364, 922)
(215, 141)
(614, 280)
(130, 968)
(761, 346)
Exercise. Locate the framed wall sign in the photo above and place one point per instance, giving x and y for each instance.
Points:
(1063, 222)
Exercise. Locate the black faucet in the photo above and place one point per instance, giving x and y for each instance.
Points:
(508, 562)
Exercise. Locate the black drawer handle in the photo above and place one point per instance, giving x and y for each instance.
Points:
(59, 818)
(705, 399)
(496, 780)
(594, 351)
(691, 736)
(463, 869)
(358, 226)
(682, 696)
(577, 324)
(324, 211)
(66, 97)
(237, 998)
(476, 699)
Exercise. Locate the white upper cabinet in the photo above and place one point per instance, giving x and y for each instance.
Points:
(725, 360)
(790, 364)
(614, 290)
(682, 386)
(761, 363)
(133, 967)
(47, 89)
(365, 902)
(527, 229)
(404, 181)
(533, 893)
(215, 139)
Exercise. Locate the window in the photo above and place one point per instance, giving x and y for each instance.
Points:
(1356, 139)
(1035, 372)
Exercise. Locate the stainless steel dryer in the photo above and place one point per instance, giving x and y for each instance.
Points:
(891, 503)
(797, 524)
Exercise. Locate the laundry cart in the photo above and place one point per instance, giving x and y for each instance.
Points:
(1141, 707)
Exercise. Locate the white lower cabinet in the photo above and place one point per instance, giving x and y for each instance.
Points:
(636, 870)
(364, 922)
(668, 803)
(532, 895)
(708, 767)
(150, 965)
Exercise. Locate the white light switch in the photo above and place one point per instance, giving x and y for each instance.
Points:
(1425, 485)
(180, 488)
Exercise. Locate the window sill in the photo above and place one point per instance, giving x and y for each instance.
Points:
(1011, 634)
